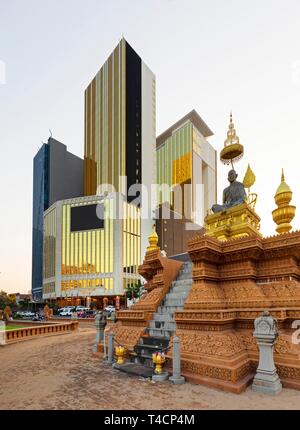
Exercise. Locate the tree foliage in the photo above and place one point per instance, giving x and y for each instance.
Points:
(134, 290)
(5, 300)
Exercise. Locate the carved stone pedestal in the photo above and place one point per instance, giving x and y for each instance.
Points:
(266, 379)
(161, 377)
(100, 323)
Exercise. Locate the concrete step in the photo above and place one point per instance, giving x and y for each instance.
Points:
(186, 282)
(169, 309)
(174, 302)
(135, 369)
(186, 269)
(187, 265)
(163, 325)
(163, 317)
(184, 273)
(183, 291)
(160, 333)
(153, 341)
(184, 276)
(146, 351)
(177, 295)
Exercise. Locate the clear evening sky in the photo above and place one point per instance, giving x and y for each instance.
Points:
(211, 55)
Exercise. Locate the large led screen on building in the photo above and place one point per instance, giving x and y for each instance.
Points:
(85, 218)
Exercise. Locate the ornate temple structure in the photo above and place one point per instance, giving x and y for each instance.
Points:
(236, 274)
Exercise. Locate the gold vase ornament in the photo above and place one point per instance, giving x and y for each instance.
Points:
(120, 353)
(159, 360)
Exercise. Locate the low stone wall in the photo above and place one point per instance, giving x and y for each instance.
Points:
(57, 319)
(35, 330)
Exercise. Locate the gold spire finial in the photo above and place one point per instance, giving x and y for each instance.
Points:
(153, 240)
(285, 212)
(232, 138)
(233, 150)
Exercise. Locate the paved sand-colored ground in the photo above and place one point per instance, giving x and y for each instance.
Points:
(61, 373)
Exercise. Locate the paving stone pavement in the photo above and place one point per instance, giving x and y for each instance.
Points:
(61, 373)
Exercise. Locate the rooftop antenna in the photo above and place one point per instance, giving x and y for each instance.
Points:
(50, 132)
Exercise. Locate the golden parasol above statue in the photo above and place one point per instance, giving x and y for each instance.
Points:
(233, 150)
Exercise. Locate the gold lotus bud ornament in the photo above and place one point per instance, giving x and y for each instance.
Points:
(233, 150)
(159, 360)
(285, 212)
(120, 352)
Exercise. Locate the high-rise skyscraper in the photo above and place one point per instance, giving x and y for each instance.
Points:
(120, 128)
(57, 174)
(186, 163)
(84, 258)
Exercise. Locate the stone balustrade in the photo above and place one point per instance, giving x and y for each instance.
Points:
(31, 332)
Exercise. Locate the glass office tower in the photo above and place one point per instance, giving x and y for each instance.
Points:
(120, 128)
(57, 174)
(40, 204)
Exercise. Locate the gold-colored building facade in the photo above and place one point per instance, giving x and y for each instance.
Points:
(173, 162)
(184, 157)
(95, 262)
(104, 147)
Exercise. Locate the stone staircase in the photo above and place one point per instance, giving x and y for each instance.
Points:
(162, 327)
(163, 324)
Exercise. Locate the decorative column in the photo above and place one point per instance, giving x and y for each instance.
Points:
(100, 323)
(266, 379)
(176, 378)
(110, 354)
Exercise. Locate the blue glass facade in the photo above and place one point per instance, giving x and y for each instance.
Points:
(40, 204)
(57, 175)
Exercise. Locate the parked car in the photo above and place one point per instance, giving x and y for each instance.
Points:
(90, 313)
(38, 317)
(82, 309)
(25, 314)
(86, 314)
(67, 312)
